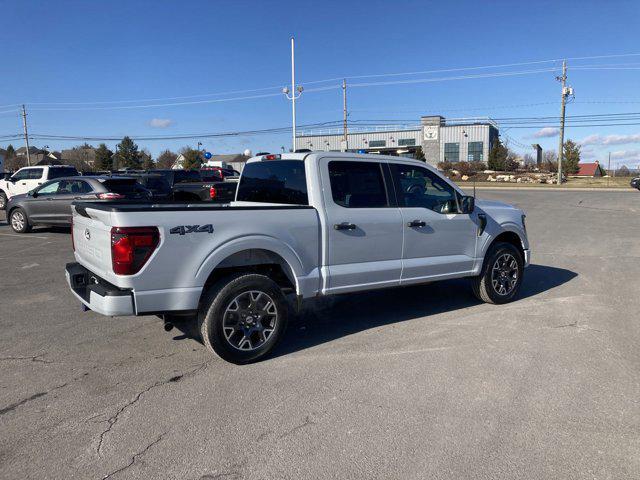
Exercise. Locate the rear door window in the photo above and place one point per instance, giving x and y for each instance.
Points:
(186, 176)
(124, 186)
(277, 181)
(358, 184)
(62, 172)
(34, 174)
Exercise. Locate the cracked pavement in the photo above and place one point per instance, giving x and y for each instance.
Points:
(420, 382)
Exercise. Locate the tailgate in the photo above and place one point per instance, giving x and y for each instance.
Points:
(92, 239)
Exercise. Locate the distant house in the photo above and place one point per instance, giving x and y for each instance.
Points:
(36, 154)
(233, 160)
(590, 170)
(85, 154)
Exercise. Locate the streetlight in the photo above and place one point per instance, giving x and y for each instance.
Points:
(293, 95)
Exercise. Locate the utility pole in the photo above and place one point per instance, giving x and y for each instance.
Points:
(345, 138)
(563, 81)
(295, 91)
(26, 134)
(609, 169)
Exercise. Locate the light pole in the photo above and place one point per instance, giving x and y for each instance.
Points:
(293, 95)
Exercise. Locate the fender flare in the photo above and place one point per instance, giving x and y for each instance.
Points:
(509, 227)
(252, 242)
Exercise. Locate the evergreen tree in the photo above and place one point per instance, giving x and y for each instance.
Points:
(571, 157)
(146, 160)
(104, 158)
(192, 159)
(497, 156)
(128, 155)
(11, 152)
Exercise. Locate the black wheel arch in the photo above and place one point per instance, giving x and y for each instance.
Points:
(506, 237)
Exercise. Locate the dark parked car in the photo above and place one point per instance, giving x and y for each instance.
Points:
(196, 186)
(635, 183)
(50, 203)
(157, 185)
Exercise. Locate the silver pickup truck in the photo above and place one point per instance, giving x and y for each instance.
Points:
(302, 225)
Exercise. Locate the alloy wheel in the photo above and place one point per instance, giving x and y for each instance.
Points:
(504, 274)
(17, 220)
(249, 320)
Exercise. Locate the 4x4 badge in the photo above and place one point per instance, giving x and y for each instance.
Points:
(184, 229)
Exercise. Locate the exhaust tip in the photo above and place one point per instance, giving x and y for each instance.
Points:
(168, 326)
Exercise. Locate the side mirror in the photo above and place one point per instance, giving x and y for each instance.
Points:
(33, 194)
(467, 204)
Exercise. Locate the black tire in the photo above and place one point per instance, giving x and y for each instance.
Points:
(3, 200)
(19, 221)
(501, 288)
(228, 324)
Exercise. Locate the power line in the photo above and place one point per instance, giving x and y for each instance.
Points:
(129, 107)
(158, 99)
(44, 136)
(483, 67)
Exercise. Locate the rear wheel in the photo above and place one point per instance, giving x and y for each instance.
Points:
(19, 221)
(501, 275)
(3, 201)
(242, 317)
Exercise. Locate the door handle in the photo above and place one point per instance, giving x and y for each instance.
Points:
(344, 226)
(416, 224)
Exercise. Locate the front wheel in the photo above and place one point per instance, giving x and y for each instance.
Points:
(19, 221)
(242, 317)
(501, 274)
(3, 201)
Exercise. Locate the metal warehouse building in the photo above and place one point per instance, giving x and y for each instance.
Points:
(440, 140)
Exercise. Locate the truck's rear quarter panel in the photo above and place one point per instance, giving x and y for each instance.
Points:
(173, 277)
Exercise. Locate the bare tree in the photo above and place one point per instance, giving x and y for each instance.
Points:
(166, 159)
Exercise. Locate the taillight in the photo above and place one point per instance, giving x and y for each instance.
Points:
(73, 244)
(131, 247)
(110, 196)
(212, 193)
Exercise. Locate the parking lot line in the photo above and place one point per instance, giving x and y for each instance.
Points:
(23, 236)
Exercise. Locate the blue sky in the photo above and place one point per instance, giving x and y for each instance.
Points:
(83, 51)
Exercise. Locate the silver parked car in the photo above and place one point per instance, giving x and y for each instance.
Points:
(50, 203)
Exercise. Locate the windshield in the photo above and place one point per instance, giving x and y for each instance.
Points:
(280, 181)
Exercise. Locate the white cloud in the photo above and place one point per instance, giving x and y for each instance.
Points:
(160, 122)
(633, 155)
(610, 139)
(546, 132)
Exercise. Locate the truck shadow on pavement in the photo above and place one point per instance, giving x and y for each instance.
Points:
(330, 318)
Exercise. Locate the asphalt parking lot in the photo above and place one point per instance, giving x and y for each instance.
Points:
(421, 382)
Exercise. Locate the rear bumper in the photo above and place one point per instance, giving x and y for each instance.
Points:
(97, 294)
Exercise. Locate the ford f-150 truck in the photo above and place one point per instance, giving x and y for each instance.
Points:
(302, 225)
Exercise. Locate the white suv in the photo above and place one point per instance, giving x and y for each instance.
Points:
(28, 178)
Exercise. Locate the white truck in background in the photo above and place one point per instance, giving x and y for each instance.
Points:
(305, 224)
(28, 178)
